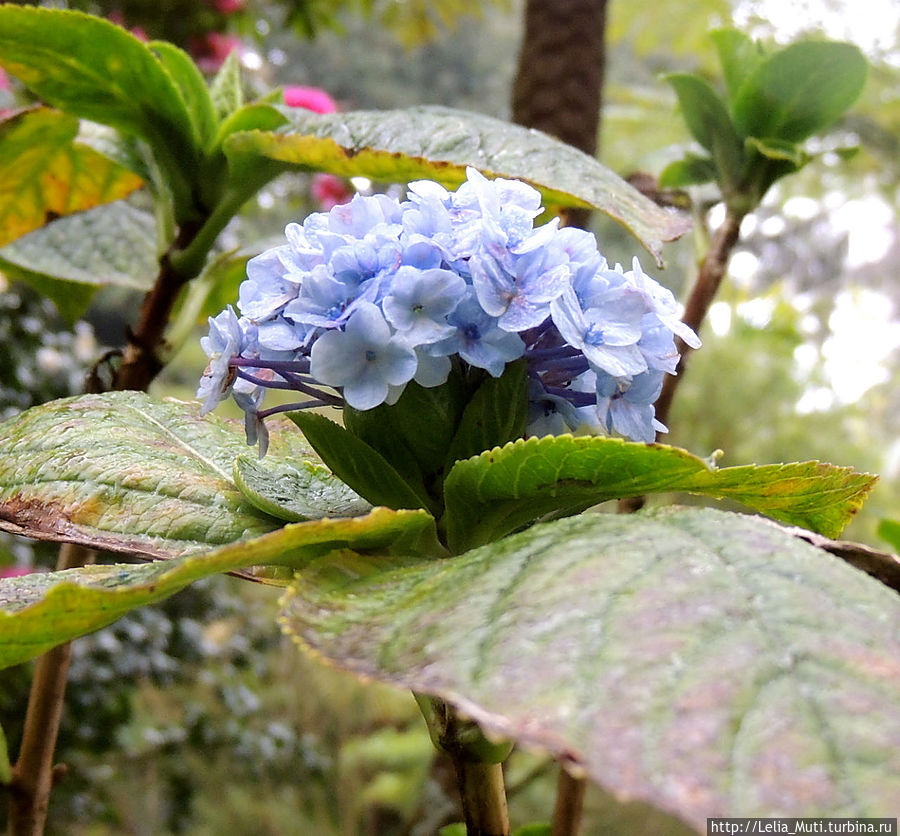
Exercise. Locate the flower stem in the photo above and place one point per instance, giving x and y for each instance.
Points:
(569, 804)
(483, 796)
(478, 765)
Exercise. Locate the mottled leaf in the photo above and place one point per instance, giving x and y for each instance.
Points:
(702, 661)
(497, 492)
(111, 244)
(295, 489)
(44, 173)
(438, 143)
(127, 473)
(41, 610)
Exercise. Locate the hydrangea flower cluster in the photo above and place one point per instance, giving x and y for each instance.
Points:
(377, 293)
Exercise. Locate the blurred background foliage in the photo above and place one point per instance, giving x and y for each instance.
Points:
(196, 717)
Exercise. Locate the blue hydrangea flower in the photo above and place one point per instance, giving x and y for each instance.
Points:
(223, 342)
(419, 301)
(376, 293)
(478, 339)
(364, 359)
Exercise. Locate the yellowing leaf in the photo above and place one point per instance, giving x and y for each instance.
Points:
(44, 173)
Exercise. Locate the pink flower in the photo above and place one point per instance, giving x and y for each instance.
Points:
(4, 81)
(212, 49)
(309, 98)
(329, 191)
(14, 571)
(228, 7)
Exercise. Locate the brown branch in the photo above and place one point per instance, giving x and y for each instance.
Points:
(712, 271)
(33, 774)
(140, 361)
(569, 804)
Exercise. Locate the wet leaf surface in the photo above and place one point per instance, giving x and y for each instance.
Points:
(703, 661)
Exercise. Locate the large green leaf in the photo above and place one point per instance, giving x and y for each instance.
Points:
(88, 67)
(41, 610)
(111, 244)
(799, 90)
(702, 661)
(127, 473)
(503, 489)
(438, 143)
(44, 173)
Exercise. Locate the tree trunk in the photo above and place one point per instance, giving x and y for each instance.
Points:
(559, 81)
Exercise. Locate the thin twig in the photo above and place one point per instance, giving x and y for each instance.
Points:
(569, 804)
(32, 776)
(712, 271)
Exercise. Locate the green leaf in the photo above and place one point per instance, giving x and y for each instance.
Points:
(192, 86)
(242, 174)
(44, 173)
(44, 609)
(496, 413)
(800, 90)
(739, 56)
(71, 299)
(295, 489)
(710, 124)
(691, 170)
(256, 116)
(88, 67)
(702, 661)
(889, 531)
(126, 151)
(414, 433)
(111, 244)
(127, 473)
(503, 489)
(358, 465)
(226, 89)
(438, 143)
